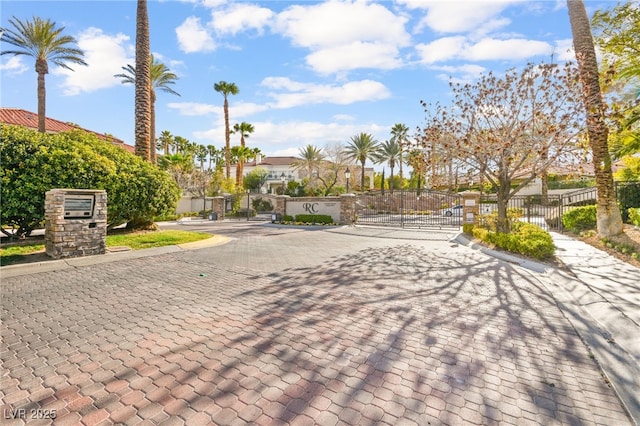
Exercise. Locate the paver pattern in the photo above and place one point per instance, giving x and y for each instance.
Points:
(284, 326)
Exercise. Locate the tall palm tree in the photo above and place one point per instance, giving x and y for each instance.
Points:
(399, 135)
(388, 152)
(143, 83)
(245, 129)
(161, 79)
(360, 148)
(226, 89)
(44, 42)
(239, 155)
(609, 220)
(308, 159)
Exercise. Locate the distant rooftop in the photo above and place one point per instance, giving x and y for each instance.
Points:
(21, 117)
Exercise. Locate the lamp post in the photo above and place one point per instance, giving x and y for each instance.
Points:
(248, 204)
(283, 178)
(347, 174)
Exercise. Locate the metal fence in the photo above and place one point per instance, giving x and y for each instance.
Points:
(409, 208)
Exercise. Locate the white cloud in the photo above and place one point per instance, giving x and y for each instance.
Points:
(441, 49)
(335, 23)
(240, 17)
(486, 49)
(14, 66)
(105, 56)
(343, 36)
(354, 55)
(564, 50)
(455, 16)
(291, 93)
(193, 37)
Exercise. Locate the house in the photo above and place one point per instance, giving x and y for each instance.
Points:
(21, 117)
(281, 171)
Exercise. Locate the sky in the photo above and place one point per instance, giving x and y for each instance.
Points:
(308, 72)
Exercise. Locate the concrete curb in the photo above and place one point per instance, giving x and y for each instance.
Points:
(60, 264)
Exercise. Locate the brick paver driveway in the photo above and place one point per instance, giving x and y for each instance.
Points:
(302, 327)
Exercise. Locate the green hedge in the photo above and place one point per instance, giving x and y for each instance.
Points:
(314, 218)
(580, 219)
(525, 238)
(32, 163)
(634, 216)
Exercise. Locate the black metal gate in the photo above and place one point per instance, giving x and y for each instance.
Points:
(410, 208)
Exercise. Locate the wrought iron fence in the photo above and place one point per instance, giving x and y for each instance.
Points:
(409, 208)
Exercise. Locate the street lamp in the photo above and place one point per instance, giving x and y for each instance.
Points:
(347, 174)
(283, 178)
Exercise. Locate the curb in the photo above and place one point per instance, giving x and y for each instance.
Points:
(60, 264)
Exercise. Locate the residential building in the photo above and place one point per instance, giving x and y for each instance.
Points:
(21, 117)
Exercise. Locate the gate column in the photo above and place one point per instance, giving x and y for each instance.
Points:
(347, 209)
(470, 207)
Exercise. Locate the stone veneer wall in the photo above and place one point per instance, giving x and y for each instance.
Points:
(66, 237)
(347, 209)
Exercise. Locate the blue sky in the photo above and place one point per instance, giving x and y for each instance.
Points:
(308, 72)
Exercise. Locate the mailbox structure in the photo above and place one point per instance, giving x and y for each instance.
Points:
(75, 222)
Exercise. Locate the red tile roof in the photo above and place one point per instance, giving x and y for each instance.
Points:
(21, 117)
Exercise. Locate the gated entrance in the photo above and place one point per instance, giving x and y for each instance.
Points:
(410, 208)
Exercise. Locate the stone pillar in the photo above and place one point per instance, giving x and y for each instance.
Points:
(347, 209)
(281, 205)
(75, 222)
(470, 207)
(218, 207)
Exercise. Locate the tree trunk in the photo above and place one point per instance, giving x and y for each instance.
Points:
(41, 69)
(152, 134)
(227, 141)
(362, 177)
(143, 83)
(609, 220)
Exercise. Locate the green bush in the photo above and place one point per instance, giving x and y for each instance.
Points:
(634, 216)
(33, 163)
(287, 218)
(467, 228)
(526, 239)
(314, 218)
(262, 205)
(580, 219)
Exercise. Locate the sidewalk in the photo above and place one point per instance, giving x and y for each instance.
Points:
(601, 298)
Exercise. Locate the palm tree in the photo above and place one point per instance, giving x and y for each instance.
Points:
(240, 154)
(42, 41)
(143, 83)
(226, 89)
(161, 79)
(609, 220)
(389, 152)
(213, 155)
(165, 141)
(308, 159)
(245, 129)
(201, 155)
(360, 148)
(399, 135)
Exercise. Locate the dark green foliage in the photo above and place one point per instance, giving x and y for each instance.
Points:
(634, 216)
(33, 163)
(628, 194)
(262, 205)
(580, 219)
(287, 218)
(314, 218)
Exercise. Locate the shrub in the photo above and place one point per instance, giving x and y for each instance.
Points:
(467, 228)
(580, 219)
(314, 218)
(634, 216)
(33, 163)
(287, 218)
(261, 205)
(526, 239)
